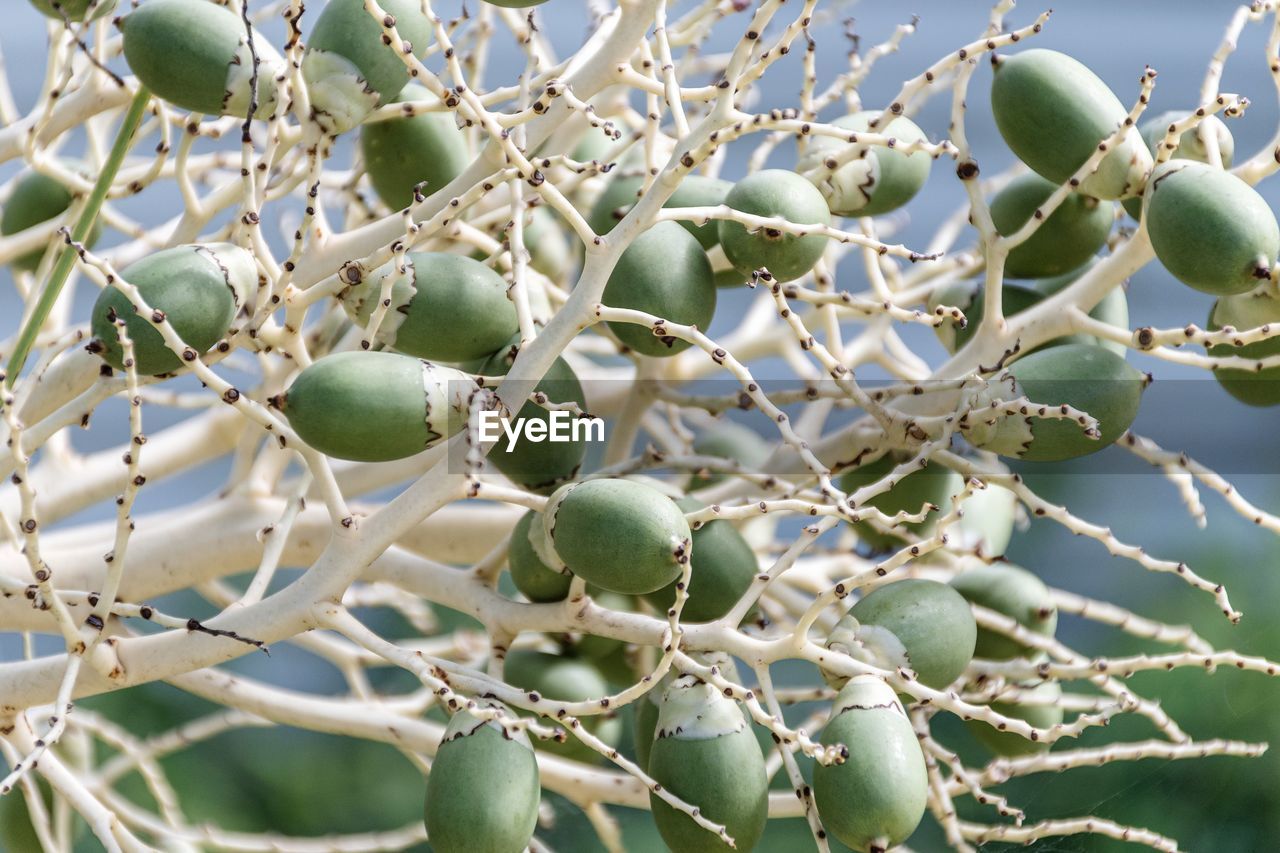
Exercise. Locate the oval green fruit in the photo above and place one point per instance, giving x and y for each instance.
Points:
(550, 252)
(73, 10)
(566, 679)
(348, 67)
(876, 798)
(1190, 145)
(516, 4)
(933, 485)
(1053, 112)
(1016, 593)
(1210, 229)
(666, 273)
(723, 567)
(705, 753)
(1087, 377)
(483, 789)
(884, 179)
(1243, 312)
(37, 198)
(404, 405)
(732, 442)
(1113, 309)
(775, 193)
(986, 525)
(196, 56)
(400, 153)
(537, 581)
(446, 307)
(1063, 242)
(932, 621)
(620, 535)
(623, 191)
(199, 288)
(646, 721)
(1045, 713)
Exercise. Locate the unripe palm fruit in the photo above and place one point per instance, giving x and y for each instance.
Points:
(483, 789)
(534, 578)
(1087, 377)
(348, 67)
(400, 153)
(196, 56)
(870, 644)
(1045, 713)
(445, 307)
(620, 535)
(1113, 309)
(17, 834)
(666, 273)
(723, 567)
(405, 405)
(1190, 145)
(516, 4)
(540, 467)
(37, 198)
(882, 180)
(732, 442)
(876, 798)
(1248, 311)
(565, 679)
(1065, 241)
(933, 622)
(199, 289)
(73, 10)
(550, 252)
(1210, 229)
(987, 523)
(705, 753)
(1016, 593)
(1053, 112)
(775, 193)
(622, 193)
(933, 485)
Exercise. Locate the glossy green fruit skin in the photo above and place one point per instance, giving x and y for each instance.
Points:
(1072, 234)
(1190, 146)
(482, 791)
(620, 535)
(540, 467)
(1243, 312)
(883, 181)
(666, 273)
(1091, 379)
(622, 193)
(1053, 112)
(400, 153)
(773, 193)
(37, 198)
(198, 287)
(1015, 592)
(932, 621)
(987, 523)
(723, 568)
(73, 10)
(447, 307)
(732, 442)
(537, 581)
(933, 484)
(876, 798)
(566, 679)
(1011, 744)
(195, 55)
(405, 405)
(1209, 229)
(646, 723)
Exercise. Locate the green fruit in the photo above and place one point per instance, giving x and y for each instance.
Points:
(37, 198)
(348, 67)
(483, 789)
(732, 442)
(376, 406)
(550, 252)
(876, 798)
(934, 485)
(932, 621)
(1047, 712)
(987, 523)
(705, 753)
(17, 833)
(647, 709)
(400, 153)
(1113, 309)
(534, 578)
(1243, 312)
(600, 649)
(565, 679)
(622, 193)
(775, 193)
(1065, 241)
(1189, 146)
(446, 307)
(515, 4)
(1016, 593)
(723, 567)
(540, 467)
(198, 287)
(195, 55)
(73, 10)
(1053, 112)
(1089, 378)
(882, 180)
(1210, 229)
(620, 535)
(666, 273)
